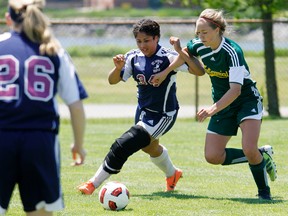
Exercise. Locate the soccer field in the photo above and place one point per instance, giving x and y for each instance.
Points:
(204, 190)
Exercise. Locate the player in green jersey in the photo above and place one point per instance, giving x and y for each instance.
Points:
(237, 102)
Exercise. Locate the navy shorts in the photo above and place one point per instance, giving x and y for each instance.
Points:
(156, 124)
(30, 159)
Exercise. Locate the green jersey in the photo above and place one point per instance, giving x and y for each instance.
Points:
(225, 65)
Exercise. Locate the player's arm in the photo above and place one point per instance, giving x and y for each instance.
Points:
(194, 65)
(160, 77)
(78, 121)
(114, 76)
(236, 79)
(226, 100)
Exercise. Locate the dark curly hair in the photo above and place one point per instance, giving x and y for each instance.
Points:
(148, 27)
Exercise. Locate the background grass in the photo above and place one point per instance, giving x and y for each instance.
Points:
(204, 190)
(94, 72)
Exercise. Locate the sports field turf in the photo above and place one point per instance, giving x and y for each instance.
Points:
(204, 190)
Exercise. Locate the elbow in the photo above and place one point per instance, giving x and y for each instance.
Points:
(198, 72)
(112, 81)
(201, 72)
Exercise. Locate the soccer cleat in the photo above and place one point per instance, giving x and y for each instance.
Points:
(267, 152)
(264, 194)
(86, 188)
(172, 180)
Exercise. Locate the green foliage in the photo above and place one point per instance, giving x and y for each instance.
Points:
(240, 8)
(121, 12)
(204, 190)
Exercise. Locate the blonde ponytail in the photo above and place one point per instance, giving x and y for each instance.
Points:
(36, 25)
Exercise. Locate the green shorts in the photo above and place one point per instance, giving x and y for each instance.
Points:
(227, 121)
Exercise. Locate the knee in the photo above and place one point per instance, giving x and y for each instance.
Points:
(213, 158)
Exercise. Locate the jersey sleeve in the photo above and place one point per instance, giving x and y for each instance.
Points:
(191, 47)
(126, 72)
(236, 74)
(237, 69)
(70, 88)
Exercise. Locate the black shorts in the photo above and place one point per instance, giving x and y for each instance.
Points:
(30, 159)
(226, 123)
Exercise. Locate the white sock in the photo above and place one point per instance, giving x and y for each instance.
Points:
(100, 176)
(164, 163)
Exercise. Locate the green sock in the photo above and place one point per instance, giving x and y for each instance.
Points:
(259, 175)
(234, 156)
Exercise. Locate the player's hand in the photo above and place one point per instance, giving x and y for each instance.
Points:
(158, 78)
(202, 115)
(175, 42)
(119, 61)
(205, 113)
(78, 155)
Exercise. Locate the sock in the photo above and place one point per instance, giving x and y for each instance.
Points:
(234, 156)
(164, 163)
(100, 176)
(260, 175)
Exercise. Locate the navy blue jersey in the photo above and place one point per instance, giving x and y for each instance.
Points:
(161, 99)
(29, 83)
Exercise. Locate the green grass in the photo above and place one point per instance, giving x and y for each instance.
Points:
(205, 189)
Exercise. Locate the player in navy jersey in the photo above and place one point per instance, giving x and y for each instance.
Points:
(237, 101)
(157, 107)
(33, 69)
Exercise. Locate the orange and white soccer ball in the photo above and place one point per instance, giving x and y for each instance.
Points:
(114, 196)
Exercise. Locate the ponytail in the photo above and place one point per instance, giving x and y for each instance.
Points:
(35, 24)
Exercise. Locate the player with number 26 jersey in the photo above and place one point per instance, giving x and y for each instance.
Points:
(29, 83)
(34, 70)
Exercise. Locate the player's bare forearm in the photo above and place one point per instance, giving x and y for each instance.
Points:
(160, 77)
(195, 66)
(114, 76)
(78, 121)
(226, 100)
(228, 97)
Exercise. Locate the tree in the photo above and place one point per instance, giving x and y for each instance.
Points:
(265, 9)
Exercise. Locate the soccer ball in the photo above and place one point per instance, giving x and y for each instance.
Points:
(114, 196)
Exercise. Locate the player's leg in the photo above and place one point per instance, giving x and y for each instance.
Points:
(164, 163)
(250, 119)
(250, 134)
(158, 153)
(8, 167)
(215, 145)
(39, 180)
(130, 142)
(219, 132)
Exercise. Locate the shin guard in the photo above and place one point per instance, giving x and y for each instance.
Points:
(130, 142)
